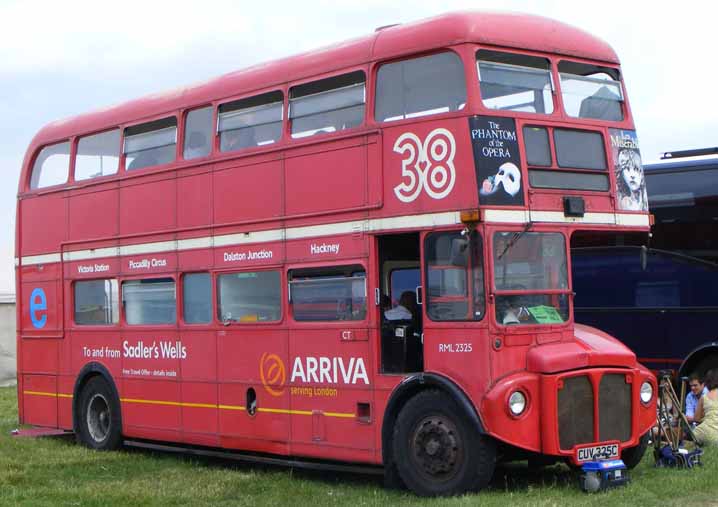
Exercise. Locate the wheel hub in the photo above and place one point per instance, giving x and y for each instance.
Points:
(98, 417)
(436, 447)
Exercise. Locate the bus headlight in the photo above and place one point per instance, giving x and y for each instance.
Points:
(517, 403)
(646, 392)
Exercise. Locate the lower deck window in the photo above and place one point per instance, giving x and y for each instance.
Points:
(328, 294)
(249, 297)
(96, 302)
(149, 301)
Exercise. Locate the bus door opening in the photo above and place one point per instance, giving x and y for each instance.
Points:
(401, 321)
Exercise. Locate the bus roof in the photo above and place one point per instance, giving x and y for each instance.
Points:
(682, 165)
(493, 28)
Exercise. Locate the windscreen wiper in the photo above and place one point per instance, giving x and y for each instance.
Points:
(514, 239)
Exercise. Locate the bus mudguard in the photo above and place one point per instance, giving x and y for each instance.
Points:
(412, 385)
(697, 356)
(87, 371)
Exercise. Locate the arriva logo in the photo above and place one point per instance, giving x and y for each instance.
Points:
(428, 165)
(329, 370)
(272, 373)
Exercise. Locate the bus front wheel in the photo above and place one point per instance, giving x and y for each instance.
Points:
(99, 424)
(633, 455)
(436, 450)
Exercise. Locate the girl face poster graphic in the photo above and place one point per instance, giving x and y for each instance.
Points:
(630, 180)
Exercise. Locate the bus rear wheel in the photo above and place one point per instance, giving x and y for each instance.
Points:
(99, 425)
(436, 451)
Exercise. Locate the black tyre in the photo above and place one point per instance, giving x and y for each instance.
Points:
(436, 451)
(633, 455)
(99, 424)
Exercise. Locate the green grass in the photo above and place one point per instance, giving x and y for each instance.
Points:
(56, 471)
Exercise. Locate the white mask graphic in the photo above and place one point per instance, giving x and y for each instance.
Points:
(509, 176)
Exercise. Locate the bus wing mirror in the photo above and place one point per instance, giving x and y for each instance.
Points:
(644, 257)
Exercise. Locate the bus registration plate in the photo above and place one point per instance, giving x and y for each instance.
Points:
(607, 451)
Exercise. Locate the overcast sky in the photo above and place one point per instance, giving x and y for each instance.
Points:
(59, 59)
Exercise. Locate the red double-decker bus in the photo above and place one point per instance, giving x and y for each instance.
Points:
(357, 255)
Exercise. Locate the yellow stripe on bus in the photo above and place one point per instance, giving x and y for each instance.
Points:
(203, 405)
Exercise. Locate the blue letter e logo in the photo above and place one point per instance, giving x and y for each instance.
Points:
(38, 303)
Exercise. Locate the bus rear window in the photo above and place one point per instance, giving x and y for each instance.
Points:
(327, 105)
(513, 82)
(150, 144)
(249, 122)
(589, 91)
(52, 166)
(328, 294)
(419, 87)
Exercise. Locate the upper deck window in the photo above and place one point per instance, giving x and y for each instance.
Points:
(52, 166)
(419, 87)
(513, 82)
(149, 144)
(328, 105)
(97, 155)
(197, 133)
(590, 91)
(249, 122)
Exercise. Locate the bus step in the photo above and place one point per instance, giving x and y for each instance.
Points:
(38, 432)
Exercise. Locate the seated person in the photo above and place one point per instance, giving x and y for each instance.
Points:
(706, 432)
(698, 390)
(405, 310)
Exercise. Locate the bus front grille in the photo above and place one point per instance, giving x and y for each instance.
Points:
(575, 412)
(614, 408)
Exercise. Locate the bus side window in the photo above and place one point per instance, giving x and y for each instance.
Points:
(197, 133)
(149, 301)
(249, 297)
(150, 144)
(328, 294)
(52, 166)
(328, 105)
(197, 298)
(96, 302)
(252, 121)
(419, 87)
(97, 155)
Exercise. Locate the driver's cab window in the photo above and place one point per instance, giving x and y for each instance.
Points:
(530, 278)
(454, 276)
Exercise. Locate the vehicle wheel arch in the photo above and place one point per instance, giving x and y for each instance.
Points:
(413, 385)
(697, 356)
(87, 372)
